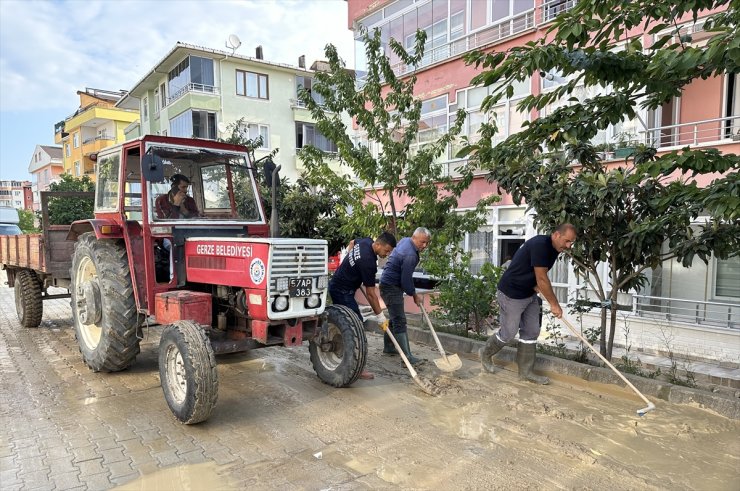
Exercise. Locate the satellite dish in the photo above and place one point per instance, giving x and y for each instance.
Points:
(222, 126)
(233, 42)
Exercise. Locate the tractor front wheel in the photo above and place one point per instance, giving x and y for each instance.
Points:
(338, 353)
(187, 371)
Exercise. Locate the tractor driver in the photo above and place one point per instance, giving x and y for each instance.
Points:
(176, 203)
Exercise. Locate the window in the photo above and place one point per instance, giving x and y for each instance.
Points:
(162, 96)
(67, 150)
(307, 134)
(252, 84)
(77, 167)
(106, 188)
(254, 131)
(727, 278)
(76, 140)
(145, 109)
(156, 103)
(307, 83)
(194, 124)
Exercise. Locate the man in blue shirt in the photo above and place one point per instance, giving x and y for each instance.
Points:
(397, 279)
(519, 304)
(359, 267)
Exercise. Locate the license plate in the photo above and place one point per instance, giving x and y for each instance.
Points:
(299, 287)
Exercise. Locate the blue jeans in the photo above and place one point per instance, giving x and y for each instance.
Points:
(346, 297)
(393, 298)
(519, 315)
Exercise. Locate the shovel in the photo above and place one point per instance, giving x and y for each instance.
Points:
(425, 385)
(446, 363)
(640, 412)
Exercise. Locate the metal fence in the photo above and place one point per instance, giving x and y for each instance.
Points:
(713, 314)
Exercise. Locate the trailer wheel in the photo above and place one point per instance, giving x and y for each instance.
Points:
(338, 355)
(28, 303)
(187, 371)
(103, 306)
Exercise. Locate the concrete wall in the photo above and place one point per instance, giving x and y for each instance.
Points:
(686, 341)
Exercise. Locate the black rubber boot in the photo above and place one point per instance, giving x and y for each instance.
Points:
(486, 353)
(388, 347)
(525, 355)
(403, 341)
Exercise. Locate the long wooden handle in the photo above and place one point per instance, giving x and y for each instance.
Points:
(650, 405)
(434, 333)
(385, 328)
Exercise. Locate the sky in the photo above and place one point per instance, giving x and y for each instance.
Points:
(50, 49)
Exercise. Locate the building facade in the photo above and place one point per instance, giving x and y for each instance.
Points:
(697, 308)
(200, 92)
(16, 194)
(45, 167)
(95, 125)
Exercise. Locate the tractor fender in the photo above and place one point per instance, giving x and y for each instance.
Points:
(103, 228)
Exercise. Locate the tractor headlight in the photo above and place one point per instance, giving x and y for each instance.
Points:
(322, 282)
(281, 284)
(313, 301)
(280, 304)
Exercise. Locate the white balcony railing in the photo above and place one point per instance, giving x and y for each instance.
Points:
(491, 34)
(693, 133)
(715, 314)
(552, 8)
(197, 88)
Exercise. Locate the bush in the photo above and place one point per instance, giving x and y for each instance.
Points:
(466, 300)
(63, 211)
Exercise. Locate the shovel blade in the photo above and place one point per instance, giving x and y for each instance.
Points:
(450, 364)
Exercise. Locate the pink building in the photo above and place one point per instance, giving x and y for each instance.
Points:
(46, 166)
(701, 304)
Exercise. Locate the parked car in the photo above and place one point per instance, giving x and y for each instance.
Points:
(9, 221)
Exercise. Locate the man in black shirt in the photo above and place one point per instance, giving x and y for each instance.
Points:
(519, 305)
(359, 267)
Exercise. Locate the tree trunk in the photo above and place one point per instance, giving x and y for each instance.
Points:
(612, 329)
(602, 334)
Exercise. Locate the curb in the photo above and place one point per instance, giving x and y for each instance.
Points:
(719, 403)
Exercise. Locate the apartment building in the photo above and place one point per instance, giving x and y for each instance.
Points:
(45, 167)
(198, 92)
(95, 125)
(698, 308)
(16, 194)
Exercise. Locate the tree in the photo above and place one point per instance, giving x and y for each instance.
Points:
(65, 210)
(406, 165)
(639, 214)
(26, 220)
(303, 211)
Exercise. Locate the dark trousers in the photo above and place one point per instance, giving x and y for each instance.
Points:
(343, 296)
(393, 298)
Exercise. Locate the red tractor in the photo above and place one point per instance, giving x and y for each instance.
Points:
(210, 274)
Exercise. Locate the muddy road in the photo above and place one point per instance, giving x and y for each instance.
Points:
(276, 426)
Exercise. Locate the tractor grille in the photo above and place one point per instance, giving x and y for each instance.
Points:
(296, 261)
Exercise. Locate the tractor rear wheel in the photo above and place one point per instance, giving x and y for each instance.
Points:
(28, 303)
(187, 371)
(103, 306)
(338, 355)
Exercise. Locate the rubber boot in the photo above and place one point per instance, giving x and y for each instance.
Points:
(486, 353)
(525, 355)
(403, 341)
(388, 347)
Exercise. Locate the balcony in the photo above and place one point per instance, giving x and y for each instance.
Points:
(193, 88)
(96, 144)
(705, 132)
(478, 39)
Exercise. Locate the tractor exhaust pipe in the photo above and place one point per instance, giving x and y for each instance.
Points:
(274, 225)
